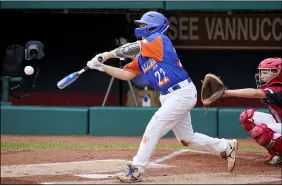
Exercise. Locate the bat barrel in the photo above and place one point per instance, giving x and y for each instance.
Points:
(67, 80)
(70, 78)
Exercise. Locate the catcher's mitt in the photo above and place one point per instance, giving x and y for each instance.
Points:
(212, 89)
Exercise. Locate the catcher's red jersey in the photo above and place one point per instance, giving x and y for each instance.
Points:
(274, 110)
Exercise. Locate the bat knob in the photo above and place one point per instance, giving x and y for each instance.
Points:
(100, 59)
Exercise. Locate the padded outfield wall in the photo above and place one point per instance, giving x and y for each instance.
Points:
(111, 121)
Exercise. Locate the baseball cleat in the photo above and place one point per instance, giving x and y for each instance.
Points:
(230, 154)
(275, 160)
(269, 158)
(130, 175)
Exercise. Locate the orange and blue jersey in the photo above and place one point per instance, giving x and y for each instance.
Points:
(159, 63)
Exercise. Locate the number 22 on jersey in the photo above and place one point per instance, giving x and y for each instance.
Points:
(162, 78)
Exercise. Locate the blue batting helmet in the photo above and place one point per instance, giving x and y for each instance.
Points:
(154, 21)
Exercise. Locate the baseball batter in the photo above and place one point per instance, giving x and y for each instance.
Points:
(265, 128)
(157, 60)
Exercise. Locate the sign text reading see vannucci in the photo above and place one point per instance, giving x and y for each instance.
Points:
(222, 31)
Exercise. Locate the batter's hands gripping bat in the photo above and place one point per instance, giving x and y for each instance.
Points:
(73, 76)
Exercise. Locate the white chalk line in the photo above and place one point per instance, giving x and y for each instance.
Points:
(96, 176)
(176, 153)
(169, 156)
(152, 164)
(59, 163)
(156, 161)
(105, 176)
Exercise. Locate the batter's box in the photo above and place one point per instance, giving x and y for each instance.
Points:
(201, 178)
(69, 168)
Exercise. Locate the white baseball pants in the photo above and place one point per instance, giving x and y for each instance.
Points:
(261, 117)
(175, 114)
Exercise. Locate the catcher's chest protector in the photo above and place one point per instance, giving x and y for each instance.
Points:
(273, 101)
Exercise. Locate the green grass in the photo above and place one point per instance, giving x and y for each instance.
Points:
(24, 146)
(33, 146)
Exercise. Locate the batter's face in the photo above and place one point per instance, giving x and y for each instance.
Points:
(142, 26)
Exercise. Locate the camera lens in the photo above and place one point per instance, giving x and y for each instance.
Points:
(33, 53)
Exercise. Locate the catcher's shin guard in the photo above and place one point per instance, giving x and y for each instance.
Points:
(264, 137)
(275, 148)
(246, 119)
(275, 152)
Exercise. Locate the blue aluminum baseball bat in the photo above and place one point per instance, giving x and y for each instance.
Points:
(69, 79)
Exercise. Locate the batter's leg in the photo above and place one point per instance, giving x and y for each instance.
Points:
(157, 128)
(185, 135)
(174, 108)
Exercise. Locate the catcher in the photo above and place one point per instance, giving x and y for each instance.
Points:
(264, 128)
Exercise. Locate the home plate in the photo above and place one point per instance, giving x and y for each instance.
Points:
(96, 175)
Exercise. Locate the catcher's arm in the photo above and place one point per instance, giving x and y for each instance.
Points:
(245, 93)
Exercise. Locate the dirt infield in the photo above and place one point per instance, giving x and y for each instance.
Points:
(99, 166)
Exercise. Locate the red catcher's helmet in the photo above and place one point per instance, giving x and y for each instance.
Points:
(271, 64)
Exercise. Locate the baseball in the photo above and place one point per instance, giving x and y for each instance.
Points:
(28, 70)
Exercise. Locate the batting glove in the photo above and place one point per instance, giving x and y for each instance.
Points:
(95, 64)
(102, 57)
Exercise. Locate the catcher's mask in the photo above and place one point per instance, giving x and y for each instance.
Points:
(154, 22)
(270, 72)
